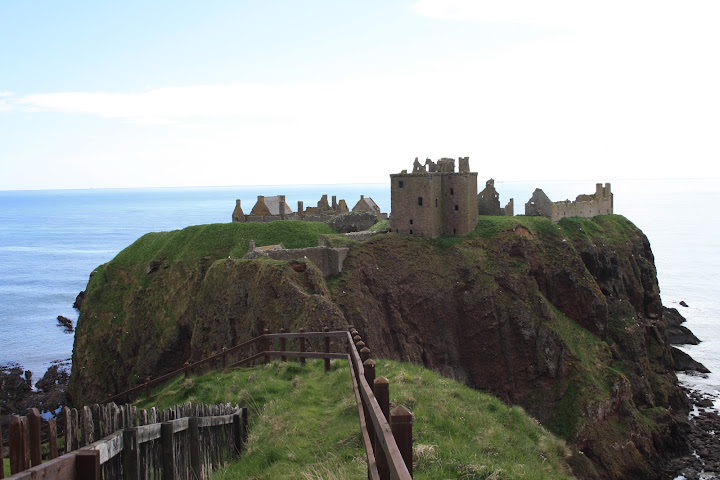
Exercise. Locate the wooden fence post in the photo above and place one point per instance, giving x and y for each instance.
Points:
(382, 394)
(283, 345)
(195, 471)
(266, 346)
(224, 358)
(327, 349)
(401, 421)
(19, 455)
(147, 387)
(52, 438)
(87, 464)
(302, 347)
(237, 435)
(34, 418)
(167, 441)
(75, 422)
(364, 353)
(187, 370)
(131, 454)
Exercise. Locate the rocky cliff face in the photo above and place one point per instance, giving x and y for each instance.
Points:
(563, 320)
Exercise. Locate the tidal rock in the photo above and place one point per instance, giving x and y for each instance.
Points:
(682, 303)
(685, 363)
(677, 334)
(65, 323)
(79, 300)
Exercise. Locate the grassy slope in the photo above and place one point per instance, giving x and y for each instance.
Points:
(304, 425)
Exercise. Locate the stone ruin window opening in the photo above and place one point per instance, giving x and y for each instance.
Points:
(457, 207)
(400, 184)
(436, 203)
(410, 232)
(411, 221)
(419, 201)
(452, 191)
(454, 231)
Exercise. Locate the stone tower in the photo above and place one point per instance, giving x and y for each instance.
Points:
(434, 199)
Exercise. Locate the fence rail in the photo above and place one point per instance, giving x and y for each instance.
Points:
(170, 444)
(185, 442)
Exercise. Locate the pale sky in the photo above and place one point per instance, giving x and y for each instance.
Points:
(180, 93)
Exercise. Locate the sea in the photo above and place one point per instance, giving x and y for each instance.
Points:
(51, 240)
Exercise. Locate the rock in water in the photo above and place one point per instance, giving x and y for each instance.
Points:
(685, 363)
(682, 303)
(677, 334)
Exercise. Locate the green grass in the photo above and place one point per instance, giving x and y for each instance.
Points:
(304, 424)
(6, 466)
(220, 239)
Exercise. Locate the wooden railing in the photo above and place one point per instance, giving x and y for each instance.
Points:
(387, 435)
(186, 442)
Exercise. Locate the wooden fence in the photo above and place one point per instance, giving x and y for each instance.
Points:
(387, 435)
(110, 441)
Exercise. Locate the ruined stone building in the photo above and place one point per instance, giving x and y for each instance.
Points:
(585, 206)
(434, 200)
(367, 205)
(489, 202)
(268, 209)
(539, 204)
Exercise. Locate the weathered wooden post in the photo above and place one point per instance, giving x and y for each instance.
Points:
(224, 358)
(34, 418)
(382, 394)
(187, 370)
(147, 387)
(167, 442)
(266, 346)
(302, 347)
(327, 349)
(19, 454)
(87, 465)
(359, 345)
(52, 438)
(74, 418)
(283, 345)
(131, 454)
(401, 420)
(195, 459)
(364, 353)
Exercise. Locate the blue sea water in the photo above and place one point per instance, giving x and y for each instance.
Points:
(50, 241)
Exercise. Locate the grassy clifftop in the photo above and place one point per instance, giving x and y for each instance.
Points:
(304, 424)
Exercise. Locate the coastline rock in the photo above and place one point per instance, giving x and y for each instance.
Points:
(65, 323)
(678, 334)
(685, 363)
(77, 304)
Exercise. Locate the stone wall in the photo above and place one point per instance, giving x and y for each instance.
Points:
(585, 206)
(539, 205)
(329, 260)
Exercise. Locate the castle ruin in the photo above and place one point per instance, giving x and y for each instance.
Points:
(584, 206)
(434, 200)
(489, 202)
(269, 209)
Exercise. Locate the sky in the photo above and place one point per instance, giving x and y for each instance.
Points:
(186, 93)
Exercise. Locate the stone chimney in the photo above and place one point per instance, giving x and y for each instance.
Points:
(334, 202)
(464, 164)
(301, 207)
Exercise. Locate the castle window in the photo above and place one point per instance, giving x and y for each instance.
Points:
(411, 221)
(420, 201)
(457, 208)
(410, 232)
(400, 184)
(452, 192)
(454, 231)
(436, 203)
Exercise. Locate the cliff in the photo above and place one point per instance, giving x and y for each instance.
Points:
(564, 320)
